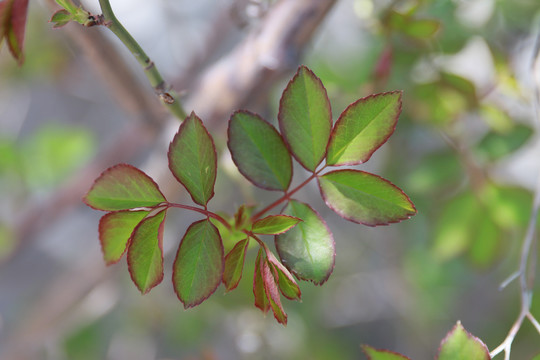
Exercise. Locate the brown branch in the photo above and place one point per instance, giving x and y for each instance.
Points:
(266, 54)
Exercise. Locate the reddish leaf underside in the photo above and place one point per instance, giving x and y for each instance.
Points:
(12, 26)
(193, 160)
(305, 118)
(123, 187)
(199, 264)
(145, 253)
(365, 198)
(261, 300)
(287, 285)
(460, 344)
(269, 277)
(115, 229)
(234, 265)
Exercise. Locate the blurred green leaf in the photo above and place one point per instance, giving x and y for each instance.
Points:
(53, 152)
(8, 242)
(193, 160)
(460, 344)
(13, 25)
(494, 146)
(305, 118)
(434, 172)
(259, 151)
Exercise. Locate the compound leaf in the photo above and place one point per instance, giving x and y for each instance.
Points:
(460, 344)
(362, 128)
(123, 187)
(115, 230)
(193, 160)
(307, 250)
(274, 224)
(365, 198)
(234, 265)
(145, 253)
(259, 152)
(305, 118)
(199, 263)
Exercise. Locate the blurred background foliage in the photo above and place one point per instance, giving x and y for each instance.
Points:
(465, 150)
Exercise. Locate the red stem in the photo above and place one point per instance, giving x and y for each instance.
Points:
(286, 196)
(202, 211)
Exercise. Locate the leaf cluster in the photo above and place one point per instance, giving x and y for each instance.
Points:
(305, 245)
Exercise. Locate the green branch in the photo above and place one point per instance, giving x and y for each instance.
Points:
(168, 96)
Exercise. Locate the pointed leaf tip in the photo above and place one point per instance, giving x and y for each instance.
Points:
(259, 151)
(460, 344)
(365, 198)
(234, 265)
(13, 15)
(305, 118)
(193, 160)
(362, 128)
(123, 187)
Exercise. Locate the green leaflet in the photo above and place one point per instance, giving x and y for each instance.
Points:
(198, 266)
(305, 118)
(376, 354)
(234, 264)
(259, 152)
(123, 187)
(115, 230)
(193, 160)
(460, 344)
(365, 198)
(274, 224)
(307, 250)
(145, 253)
(362, 128)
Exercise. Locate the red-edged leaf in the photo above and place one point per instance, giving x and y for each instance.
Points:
(269, 278)
(115, 229)
(365, 198)
(287, 285)
(261, 300)
(259, 152)
(198, 267)
(145, 253)
(234, 265)
(274, 224)
(308, 250)
(362, 128)
(193, 160)
(376, 354)
(123, 187)
(60, 18)
(460, 344)
(305, 118)
(12, 26)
